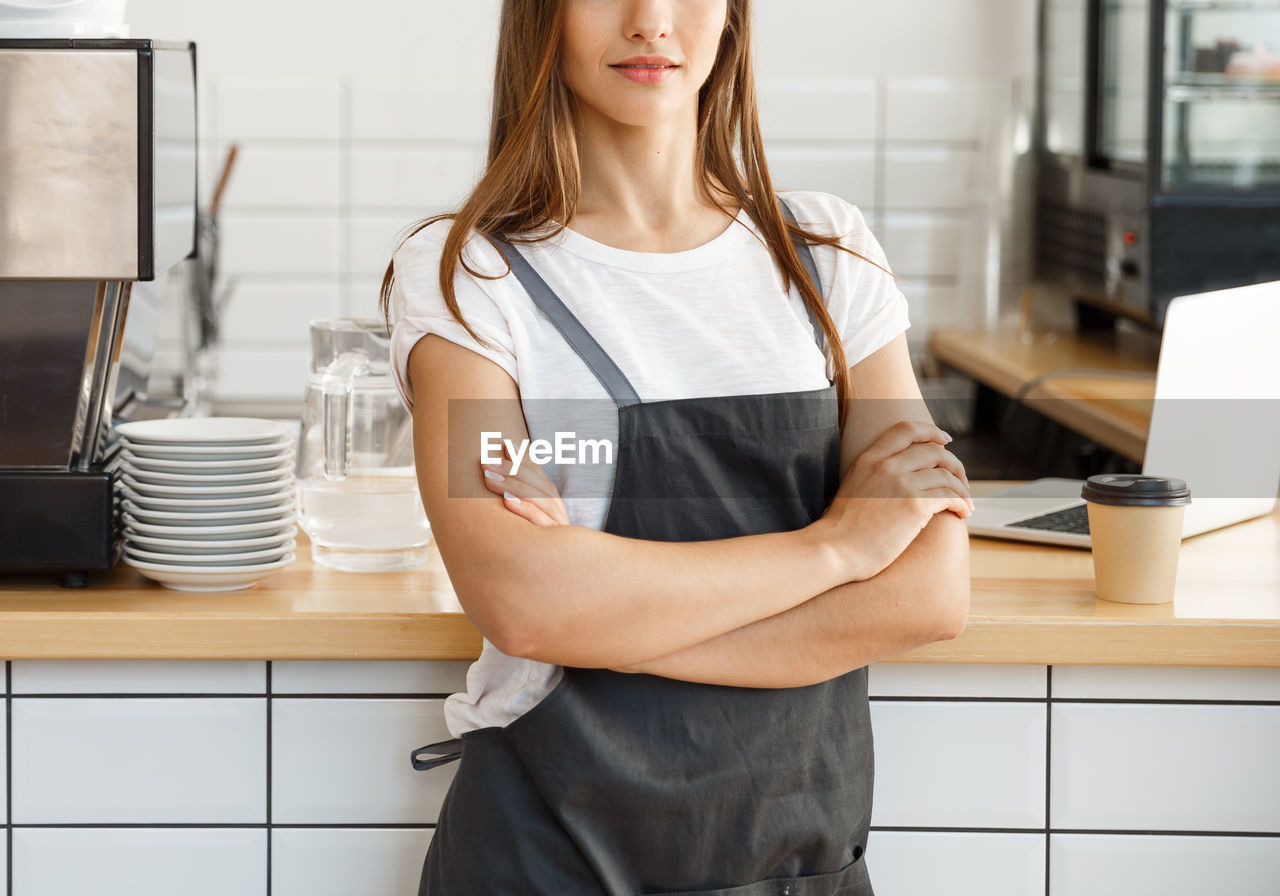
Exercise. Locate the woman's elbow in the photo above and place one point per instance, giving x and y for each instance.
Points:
(953, 613)
(951, 580)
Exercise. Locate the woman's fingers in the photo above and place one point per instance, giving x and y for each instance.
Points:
(939, 482)
(923, 455)
(525, 498)
(902, 435)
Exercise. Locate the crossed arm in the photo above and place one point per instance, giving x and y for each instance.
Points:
(769, 610)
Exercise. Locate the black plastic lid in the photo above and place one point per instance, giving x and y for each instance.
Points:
(1130, 490)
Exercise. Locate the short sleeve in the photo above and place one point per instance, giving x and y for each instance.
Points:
(866, 305)
(418, 307)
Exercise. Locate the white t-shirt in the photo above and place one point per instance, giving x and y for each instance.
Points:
(708, 321)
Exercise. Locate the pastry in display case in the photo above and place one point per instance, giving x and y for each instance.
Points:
(1159, 150)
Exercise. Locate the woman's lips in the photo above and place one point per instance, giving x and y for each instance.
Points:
(645, 74)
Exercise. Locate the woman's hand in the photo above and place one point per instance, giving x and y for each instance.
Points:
(889, 494)
(529, 494)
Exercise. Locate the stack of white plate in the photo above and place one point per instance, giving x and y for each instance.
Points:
(207, 503)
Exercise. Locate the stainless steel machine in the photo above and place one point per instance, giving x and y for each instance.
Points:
(97, 192)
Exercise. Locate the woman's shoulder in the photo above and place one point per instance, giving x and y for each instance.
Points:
(829, 215)
(825, 212)
(424, 247)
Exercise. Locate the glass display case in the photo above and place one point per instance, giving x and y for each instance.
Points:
(1159, 138)
(1222, 96)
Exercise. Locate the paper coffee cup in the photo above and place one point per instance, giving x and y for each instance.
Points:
(1135, 526)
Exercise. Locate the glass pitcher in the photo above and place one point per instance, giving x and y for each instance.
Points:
(357, 491)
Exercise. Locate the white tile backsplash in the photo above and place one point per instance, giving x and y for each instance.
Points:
(282, 109)
(959, 764)
(346, 861)
(818, 111)
(139, 862)
(956, 680)
(118, 760)
(402, 113)
(275, 310)
(355, 677)
(923, 245)
(422, 180)
(281, 243)
(374, 237)
(932, 305)
(848, 173)
(1111, 865)
(139, 677)
(1165, 767)
(928, 179)
(937, 110)
(278, 373)
(336, 761)
(912, 863)
(276, 177)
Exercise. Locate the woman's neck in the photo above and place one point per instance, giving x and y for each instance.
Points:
(639, 189)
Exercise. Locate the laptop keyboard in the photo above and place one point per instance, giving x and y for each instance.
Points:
(1074, 520)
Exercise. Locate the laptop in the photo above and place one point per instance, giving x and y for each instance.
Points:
(1215, 424)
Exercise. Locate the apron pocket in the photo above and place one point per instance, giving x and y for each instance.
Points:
(851, 880)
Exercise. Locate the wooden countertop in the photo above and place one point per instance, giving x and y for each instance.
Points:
(1031, 604)
(1113, 412)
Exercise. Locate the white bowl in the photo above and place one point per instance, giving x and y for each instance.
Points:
(204, 430)
(224, 578)
(242, 558)
(206, 481)
(207, 492)
(212, 546)
(196, 534)
(203, 453)
(210, 504)
(127, 462)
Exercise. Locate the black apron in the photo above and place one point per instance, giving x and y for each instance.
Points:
(618, 784)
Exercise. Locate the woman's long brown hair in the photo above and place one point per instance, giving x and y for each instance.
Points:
(531, 179)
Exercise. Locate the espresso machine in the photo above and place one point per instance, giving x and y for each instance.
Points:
(97, 194)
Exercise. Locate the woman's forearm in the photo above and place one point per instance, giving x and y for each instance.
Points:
(922, 597)
(569, 595)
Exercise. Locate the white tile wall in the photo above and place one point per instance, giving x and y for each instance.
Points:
(956, 680)
(960, 750)
(1108, 865)
(912, 863)
(305, 108)
(139, 677)
(1165, 767)
(346, 861)
(276, 311)
(139, 861)
(281, 243)
(350, 126)
(819, 110)
(957, 764)
(381, 677)
(144, 761)
(347, 761)
(1165, 683)
(936, 110)
(928, 179)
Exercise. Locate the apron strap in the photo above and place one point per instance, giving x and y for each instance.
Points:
(806, 258)
(445, 751)
(582, 342)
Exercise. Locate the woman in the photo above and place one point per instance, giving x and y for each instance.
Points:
(671, 696)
